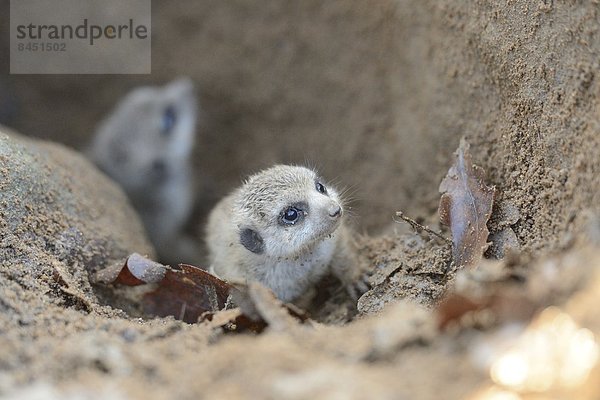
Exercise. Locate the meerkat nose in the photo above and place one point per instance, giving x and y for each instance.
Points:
(335, 211)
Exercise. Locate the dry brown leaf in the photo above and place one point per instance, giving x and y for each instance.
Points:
(466, 206)
(185, 292)
(190, 294)
(271, 309)
(503, 306)
(233, 320)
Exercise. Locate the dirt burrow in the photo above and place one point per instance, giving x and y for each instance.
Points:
(374, 93)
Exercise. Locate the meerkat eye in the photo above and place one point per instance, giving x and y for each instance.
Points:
(290, 215)
(169, 119)
(321, 188)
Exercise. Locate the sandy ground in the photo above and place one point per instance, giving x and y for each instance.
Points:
(376, 94)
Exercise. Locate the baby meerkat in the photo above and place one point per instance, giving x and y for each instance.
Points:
(145, 146)
(283, 228)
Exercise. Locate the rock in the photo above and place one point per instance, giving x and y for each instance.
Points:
(61, 219)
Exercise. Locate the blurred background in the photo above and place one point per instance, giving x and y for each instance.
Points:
(331, 84)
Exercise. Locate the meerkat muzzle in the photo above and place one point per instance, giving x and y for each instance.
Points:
(335, 212)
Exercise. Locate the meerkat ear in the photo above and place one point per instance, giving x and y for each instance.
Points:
(252, 240)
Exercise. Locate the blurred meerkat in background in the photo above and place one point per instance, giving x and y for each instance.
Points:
(145, 145)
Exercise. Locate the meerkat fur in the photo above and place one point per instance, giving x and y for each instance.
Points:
(285, 229)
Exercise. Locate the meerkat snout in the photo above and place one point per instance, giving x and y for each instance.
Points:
(335, 211)
(284, 228)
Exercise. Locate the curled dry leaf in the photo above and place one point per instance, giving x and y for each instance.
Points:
(191, 294)
(272, 310)
(143, 269)
(466, 206)
(185, 293)
(258, 303)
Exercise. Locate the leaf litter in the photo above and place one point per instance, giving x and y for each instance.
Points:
(422, 265)
(192, 295)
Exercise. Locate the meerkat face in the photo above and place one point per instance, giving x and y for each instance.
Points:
(150, 133)
(285, 210)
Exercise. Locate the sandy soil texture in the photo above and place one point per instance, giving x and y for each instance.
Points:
(377, 95)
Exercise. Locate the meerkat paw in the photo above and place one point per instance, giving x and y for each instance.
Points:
(358, 287)
(354, 276)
